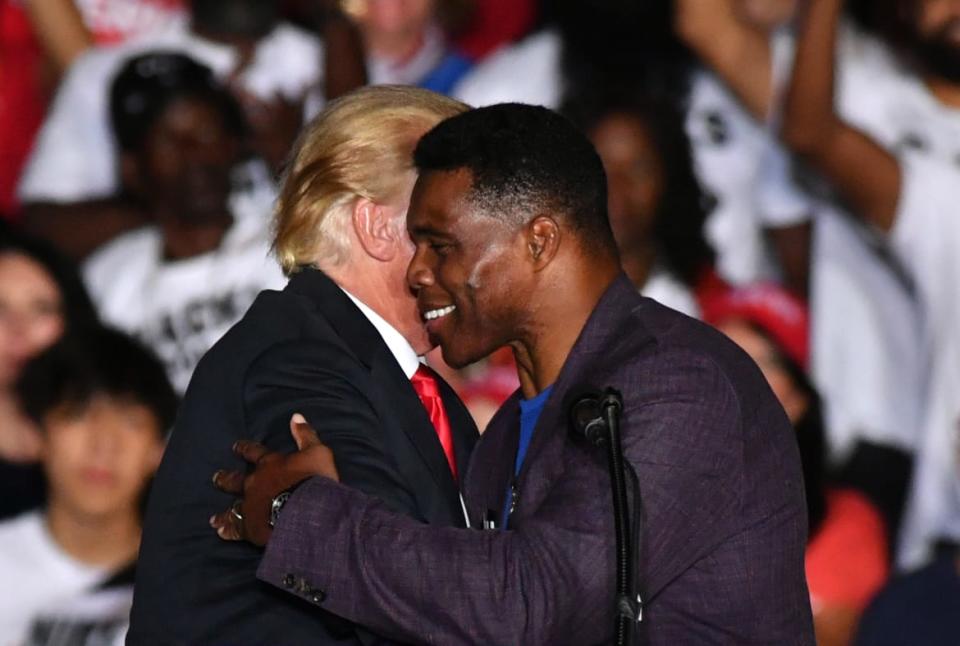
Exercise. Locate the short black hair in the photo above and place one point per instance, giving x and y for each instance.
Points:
(681, 214)
(88, 363)
(522, 159)
(147, 84)
(77, 308)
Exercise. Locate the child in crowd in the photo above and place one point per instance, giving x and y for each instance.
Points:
(41, 296)
(102, 403)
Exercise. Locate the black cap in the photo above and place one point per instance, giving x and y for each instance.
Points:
(148, 83)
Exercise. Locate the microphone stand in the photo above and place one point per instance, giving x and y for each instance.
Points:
(629, 608)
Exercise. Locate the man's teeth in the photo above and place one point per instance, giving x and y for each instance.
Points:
(435, 314)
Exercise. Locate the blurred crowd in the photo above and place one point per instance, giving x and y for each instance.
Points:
(786, 170)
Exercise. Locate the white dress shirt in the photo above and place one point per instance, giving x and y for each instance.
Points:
(401, 349)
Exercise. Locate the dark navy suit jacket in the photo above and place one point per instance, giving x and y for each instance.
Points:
(306, 349)
(722, 556)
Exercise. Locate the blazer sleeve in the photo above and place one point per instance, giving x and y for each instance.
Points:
(550, 581)
(326, 385)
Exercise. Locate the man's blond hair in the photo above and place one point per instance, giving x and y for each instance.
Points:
(361, 145)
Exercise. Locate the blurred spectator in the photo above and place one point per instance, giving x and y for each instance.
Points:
(120, 21)
(921, 608)
(847, 557)
(71, 188)
(585, 47)
(864, 358)
(41, 295)
(733, 91)
(39, 39)
(591, 47)
(911, 197)
(181, 283)
(656, 206)
(406, 45)
(102, 403)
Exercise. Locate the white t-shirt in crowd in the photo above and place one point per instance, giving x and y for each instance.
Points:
(74, 157)
(726, 143)
(865, 338)
(926, 237)
(117, 21)
(181, 308)
(667, 289)
(38, 577)
(524, 72)
(728, 146)
(865, 327)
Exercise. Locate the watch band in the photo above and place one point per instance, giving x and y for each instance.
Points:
(276, 505)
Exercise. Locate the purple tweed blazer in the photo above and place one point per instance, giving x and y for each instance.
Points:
(724, 517)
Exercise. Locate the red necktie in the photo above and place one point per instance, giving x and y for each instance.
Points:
(425, 383)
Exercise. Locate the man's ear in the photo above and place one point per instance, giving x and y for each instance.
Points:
(543, 240)
(376, 229)
(130, 173)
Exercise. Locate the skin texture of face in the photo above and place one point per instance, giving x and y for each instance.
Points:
(937, 27)
(392, 27)
(406, 319)
(470, 261)
(634, 177)
(31, 316)
(934, 16)
(98, 459)
(764, 354)
(186, 162)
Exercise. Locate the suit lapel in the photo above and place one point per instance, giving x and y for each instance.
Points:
(583, 370)
(465, 433)
(415, 422)
(491, 467)
(344, 317)
(369, 347)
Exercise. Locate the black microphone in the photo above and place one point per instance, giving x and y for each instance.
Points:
(587, 419)
(591, 414)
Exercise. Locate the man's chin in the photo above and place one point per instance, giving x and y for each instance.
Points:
(456, 357)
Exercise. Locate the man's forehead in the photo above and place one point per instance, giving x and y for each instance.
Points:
(454, 183)
(440, 195)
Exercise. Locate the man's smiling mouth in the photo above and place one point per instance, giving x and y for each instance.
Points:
(431, 315)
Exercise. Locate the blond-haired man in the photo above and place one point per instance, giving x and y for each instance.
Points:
(339, 344)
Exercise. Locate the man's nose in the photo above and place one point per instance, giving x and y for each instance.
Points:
(419, 273)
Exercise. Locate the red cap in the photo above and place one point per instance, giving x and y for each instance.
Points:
(780, 314)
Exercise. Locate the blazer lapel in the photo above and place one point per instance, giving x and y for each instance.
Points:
(344, 317)
(416, 424)
(464, 429)
(366, 343)
(582, 371)
(491, 467)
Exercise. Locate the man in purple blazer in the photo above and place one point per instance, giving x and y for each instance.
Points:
(513, 247)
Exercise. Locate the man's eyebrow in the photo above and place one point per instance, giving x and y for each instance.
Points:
(422, 230)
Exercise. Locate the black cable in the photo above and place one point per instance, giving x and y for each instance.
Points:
(627, 609)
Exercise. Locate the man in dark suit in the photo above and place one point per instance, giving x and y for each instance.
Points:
(340, 346)
(514, 247)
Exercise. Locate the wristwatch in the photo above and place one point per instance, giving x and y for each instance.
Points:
(276, 505)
